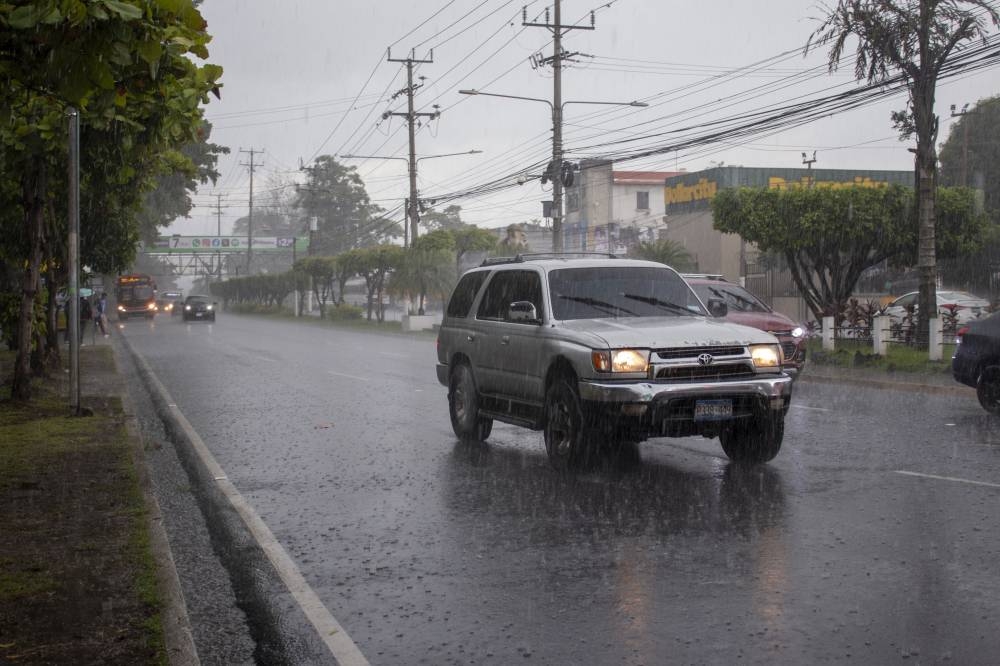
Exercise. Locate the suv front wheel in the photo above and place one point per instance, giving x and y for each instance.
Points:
(463, 407)
(756, 440)
(569, 441)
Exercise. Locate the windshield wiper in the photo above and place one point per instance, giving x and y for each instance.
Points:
(611, 308)
(652, 300)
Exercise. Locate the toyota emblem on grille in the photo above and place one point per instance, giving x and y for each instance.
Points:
(705, 359)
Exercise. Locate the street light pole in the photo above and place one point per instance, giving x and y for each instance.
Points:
(557, 147)
(413, 201)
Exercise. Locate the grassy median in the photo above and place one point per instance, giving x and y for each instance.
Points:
(77, 577)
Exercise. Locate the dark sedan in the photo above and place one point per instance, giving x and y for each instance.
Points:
(198, 308)
(977, 360)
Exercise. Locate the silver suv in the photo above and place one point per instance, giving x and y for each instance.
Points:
(601, 350)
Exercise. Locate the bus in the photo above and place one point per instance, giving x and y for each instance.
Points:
(136, 296)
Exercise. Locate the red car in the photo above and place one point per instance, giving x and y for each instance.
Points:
(747, 309)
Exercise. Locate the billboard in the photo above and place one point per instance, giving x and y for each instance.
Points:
(223, 244)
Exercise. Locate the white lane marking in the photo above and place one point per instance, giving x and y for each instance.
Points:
(948, 478)
(341, 374)
(264, 358)
(394, 354)
(333, 635)
(815, 409)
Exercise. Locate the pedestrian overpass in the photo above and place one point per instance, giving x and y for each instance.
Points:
(225, 256)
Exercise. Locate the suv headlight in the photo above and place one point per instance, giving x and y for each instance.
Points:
(766, 356)
(620, 360)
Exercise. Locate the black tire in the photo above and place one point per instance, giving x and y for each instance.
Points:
(755, 440)
(988, 389)
(463, 407)
(569, 441)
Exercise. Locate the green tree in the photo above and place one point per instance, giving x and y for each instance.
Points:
(186, 168)
(914, 39)
(469, 238)
(129, 69)
(667, 252)
(374, 265)
(449, 218)
(427, 267)
(970, 156)
(321, 271)
(829, 236)
(346, 218)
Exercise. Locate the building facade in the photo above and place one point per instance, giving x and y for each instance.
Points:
(688, 221)
(608, 210)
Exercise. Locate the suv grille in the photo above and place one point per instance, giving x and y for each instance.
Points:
(693, 352)
(702, 372)
(789, 349)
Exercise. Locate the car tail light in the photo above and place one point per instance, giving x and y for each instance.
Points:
(958, 336)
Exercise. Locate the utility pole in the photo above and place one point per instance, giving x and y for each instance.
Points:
(557, 30)
(251, 166)
(965, 141)
(411, 116)
(809, 165)
(218, 233)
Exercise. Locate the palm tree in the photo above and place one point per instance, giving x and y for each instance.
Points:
(911, 40)
(666, 252)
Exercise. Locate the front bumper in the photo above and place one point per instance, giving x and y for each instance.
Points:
(773, 390)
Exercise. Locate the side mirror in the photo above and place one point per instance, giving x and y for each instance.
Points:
(523, 311)
(717, 307)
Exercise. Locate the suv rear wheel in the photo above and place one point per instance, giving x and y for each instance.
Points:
(755, 440)
(988, 389)
(569, 441)
(463, 407)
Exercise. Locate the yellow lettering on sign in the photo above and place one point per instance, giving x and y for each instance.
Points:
(681, 193)
(779, 183)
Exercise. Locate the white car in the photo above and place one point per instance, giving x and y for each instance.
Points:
(969, 307)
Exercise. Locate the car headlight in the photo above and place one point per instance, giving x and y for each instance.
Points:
(620, 360)
(797, 332)
(121, 308)
(152, 306)
(209, 307)
(187, 307)
(168, 307)
(766, 356)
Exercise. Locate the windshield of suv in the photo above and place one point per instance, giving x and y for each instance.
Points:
(620, 291)
(737, 298)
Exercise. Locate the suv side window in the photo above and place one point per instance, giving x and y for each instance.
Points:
(507, 287)
(465, 292)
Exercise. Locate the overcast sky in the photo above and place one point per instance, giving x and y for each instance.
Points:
(293, 70)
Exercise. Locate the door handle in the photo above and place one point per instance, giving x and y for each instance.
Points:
(505, 340)
(470, 337)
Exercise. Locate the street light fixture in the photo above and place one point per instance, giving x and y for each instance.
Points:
(557, 152)
(414, 205)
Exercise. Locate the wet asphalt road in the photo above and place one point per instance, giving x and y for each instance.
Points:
(428, 551)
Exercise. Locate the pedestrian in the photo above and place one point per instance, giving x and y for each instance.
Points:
(101, 320)
(85, 315)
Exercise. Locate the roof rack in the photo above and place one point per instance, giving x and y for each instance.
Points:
(528, 256)
(704, 276)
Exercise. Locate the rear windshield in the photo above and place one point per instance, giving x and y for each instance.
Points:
(736, 297)
(620, 291)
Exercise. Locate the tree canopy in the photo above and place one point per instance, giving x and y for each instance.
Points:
(970, 156)
(829, 236)
(667, 252)
(130, 71)
(912, 39)
(346, 218)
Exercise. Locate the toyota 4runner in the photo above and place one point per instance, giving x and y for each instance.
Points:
(598, 350)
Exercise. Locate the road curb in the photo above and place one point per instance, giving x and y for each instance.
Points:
(890, 384)
(180, 647)
(225, 503)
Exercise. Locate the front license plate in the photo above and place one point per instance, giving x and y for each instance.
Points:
(713, 410)
(198, 314)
